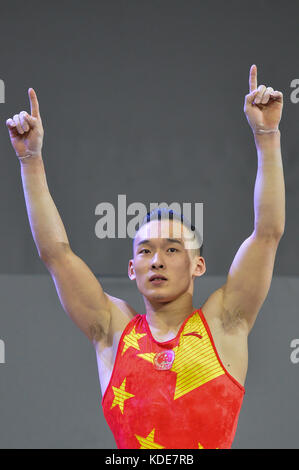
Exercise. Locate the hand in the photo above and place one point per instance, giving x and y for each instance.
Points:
(26, 131)
(263, 106)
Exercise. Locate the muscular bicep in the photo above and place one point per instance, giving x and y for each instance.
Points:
(82, 297)
(249, 279)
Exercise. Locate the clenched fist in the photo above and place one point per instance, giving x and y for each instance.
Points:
(26, 131)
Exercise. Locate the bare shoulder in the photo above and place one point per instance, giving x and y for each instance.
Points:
(121, 313)
(219, 318)
(121, 309)
(230, 334)
(213, 307)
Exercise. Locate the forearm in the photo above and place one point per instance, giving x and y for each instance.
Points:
(269, 191)
(46, 225)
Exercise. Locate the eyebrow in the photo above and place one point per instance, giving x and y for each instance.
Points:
(171, 240)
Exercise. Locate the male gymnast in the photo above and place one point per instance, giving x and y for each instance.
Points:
(174, 377)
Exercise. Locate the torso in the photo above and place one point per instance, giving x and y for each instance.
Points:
(230, 342)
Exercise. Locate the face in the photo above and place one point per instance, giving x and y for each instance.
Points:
(160, 251)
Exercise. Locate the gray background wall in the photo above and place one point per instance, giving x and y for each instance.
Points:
(143, 99)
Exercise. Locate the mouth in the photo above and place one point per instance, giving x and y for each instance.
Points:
(157, 279)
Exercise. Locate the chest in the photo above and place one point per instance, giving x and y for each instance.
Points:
(231, 350)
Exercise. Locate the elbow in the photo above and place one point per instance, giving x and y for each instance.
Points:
(280, 233)
(273, 233)
(48, 257)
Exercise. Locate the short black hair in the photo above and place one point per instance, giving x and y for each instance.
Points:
(164, 213)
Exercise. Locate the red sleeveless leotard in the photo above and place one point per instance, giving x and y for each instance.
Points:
(173, 395)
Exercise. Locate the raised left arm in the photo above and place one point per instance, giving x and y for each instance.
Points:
(250, 274)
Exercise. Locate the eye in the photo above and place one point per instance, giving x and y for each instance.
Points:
(172, 249)
(143, 249)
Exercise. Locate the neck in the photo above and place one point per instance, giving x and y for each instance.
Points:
(166, 317)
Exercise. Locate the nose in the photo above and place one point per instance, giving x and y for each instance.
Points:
(157, 261)
(156, 265)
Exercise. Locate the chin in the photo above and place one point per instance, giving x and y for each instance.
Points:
(160, 297)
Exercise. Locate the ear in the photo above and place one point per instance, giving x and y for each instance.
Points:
(199, 266)
(131, 270)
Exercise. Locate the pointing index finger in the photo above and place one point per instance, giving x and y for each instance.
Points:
(253, 78)
(34, 107)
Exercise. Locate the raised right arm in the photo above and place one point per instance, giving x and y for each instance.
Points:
(79, 291)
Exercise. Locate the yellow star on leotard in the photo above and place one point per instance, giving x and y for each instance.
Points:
(202, 447)
(148, 356)
(120, 395)
(131, 340)
(148, 441)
